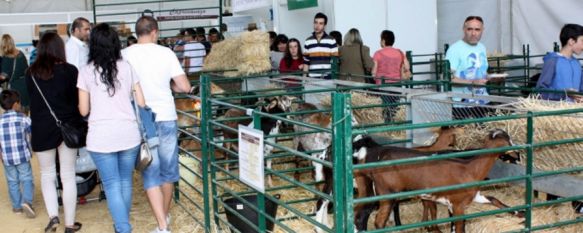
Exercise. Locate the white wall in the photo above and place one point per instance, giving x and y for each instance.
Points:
(369, 17)
(414, 23)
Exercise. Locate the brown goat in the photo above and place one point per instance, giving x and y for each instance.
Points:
(445, 141)
(422, 176)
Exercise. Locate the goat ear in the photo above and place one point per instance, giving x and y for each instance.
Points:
(360, 154)
(272, 104)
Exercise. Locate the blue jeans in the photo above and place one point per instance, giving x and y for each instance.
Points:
(164, 166)
(17, 177)
(116, 170)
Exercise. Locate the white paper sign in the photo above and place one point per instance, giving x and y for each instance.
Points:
(243, 5)
(251, 168)
(186, 14)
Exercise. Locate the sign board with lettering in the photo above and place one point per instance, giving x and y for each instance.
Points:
(243, 5)
(186, 14)
(301, 4)
(251, 163)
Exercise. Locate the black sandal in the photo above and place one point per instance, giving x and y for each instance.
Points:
(76, 227)
(52, 226)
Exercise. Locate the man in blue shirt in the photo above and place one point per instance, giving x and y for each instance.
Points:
(562, 71)
(468, 61)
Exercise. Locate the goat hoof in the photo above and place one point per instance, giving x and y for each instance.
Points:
(520, 214)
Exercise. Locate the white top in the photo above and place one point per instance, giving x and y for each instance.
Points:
(155, 66)
(77, 52)
(196, 52)
(112, 122)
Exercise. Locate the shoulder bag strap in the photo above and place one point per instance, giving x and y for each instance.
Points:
(46, 102)
(362, 60)
(13, 67)
(133, 99)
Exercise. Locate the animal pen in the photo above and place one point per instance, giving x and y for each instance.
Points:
(402, 114)
(531, 124)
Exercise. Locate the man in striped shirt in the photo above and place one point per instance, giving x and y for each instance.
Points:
(319, 49)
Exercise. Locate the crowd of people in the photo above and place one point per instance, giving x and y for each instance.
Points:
(91, 79)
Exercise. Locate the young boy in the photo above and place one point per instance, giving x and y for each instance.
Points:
(14, 129)
(562, 71)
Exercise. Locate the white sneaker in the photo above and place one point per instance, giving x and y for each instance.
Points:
(160, 231)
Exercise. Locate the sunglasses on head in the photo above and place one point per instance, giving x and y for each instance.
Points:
(474, 18)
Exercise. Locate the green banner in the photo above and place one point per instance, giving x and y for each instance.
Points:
(301, 4)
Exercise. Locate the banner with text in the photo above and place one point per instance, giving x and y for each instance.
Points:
(301, 4)
(243, 5)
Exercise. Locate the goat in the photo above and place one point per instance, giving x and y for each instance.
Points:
(445, 140)
(313, 141)
(421, 176)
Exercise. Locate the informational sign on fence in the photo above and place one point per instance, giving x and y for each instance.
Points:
(251, 168)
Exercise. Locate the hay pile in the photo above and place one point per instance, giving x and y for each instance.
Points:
(411, 212)
(248, 53)
(546, 129)
(371, 115)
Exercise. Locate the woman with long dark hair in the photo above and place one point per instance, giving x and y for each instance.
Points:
(105, 87)
(57, 80)
(293, 59)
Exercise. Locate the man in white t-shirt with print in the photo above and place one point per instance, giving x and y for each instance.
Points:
(160, 73)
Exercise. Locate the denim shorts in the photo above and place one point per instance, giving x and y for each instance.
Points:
(164, 166)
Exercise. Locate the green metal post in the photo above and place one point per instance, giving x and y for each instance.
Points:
(446, 76)
(529, 164)
(348, 190)
(409, 56)
(207, 112)
(94, 14)
(339, 168)
(220, 19)
(527, 55)
(205, 136)
(335, 68)
(260, 195)
(437, 59)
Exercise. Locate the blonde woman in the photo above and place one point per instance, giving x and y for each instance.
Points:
(12, 69)
(354, 57)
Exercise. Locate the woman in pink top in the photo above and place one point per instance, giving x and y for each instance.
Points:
(389, 63)
(105, 88)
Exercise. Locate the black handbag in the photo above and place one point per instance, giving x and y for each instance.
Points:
(74, 135)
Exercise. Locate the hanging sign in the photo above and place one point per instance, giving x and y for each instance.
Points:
(301, 4)
(243, 5)
(251, 168)
(185, 14)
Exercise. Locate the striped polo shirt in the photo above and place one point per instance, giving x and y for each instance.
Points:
(318, 54)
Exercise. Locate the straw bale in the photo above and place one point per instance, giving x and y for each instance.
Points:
(248, 53)
(546, 129)
(371, 115)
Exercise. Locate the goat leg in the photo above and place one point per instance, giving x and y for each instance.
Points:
(459, 225)
(396, 213)
(501, 205)
(383, 213)
(430, 208)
